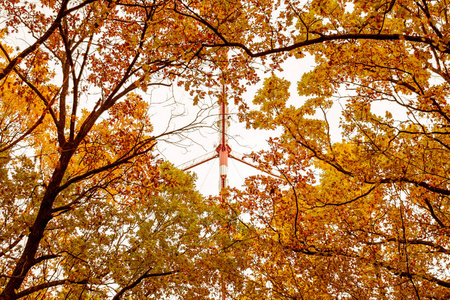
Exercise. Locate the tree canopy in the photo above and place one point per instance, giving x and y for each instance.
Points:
(88, 210)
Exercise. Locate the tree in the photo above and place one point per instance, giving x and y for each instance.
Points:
(122, 220)
(364, 214)
(88, 209)
(362, 217)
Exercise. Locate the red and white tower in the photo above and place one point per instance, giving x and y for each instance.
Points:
(223, 149)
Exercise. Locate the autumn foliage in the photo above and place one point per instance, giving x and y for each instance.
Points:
(359, 208)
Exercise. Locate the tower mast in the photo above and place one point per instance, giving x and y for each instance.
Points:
(223, 150)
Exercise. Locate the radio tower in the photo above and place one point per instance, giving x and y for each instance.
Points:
(223, 150)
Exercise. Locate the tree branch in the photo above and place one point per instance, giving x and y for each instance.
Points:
(337, 37)
(137, 281)
(46, 286)
(11, 246)
(63, 11)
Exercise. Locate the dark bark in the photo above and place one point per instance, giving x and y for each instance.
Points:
(27, 259)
